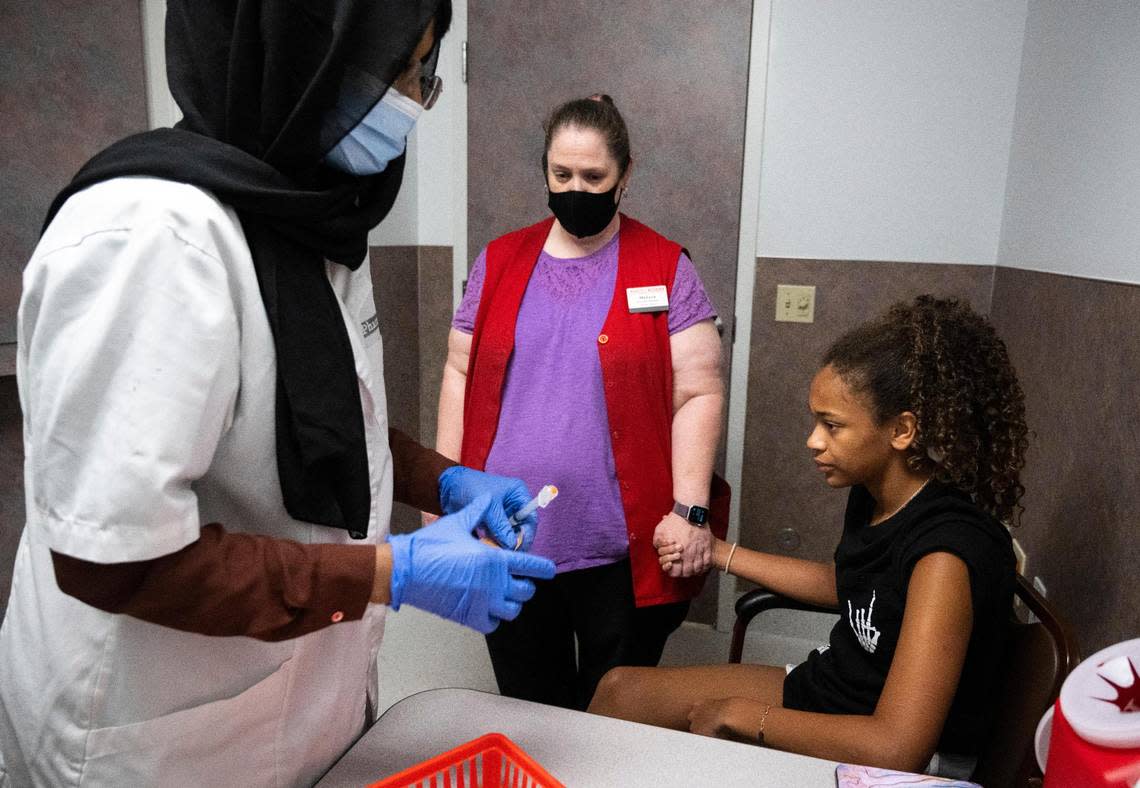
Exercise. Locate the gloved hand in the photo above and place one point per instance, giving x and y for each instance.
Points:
(443, 569)
(459, 486)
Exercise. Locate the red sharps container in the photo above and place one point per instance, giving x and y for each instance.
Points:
(1095, 739)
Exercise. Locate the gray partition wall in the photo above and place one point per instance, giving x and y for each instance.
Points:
(678, 73)
(71, 82)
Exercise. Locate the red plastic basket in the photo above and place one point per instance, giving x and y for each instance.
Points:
(491, 761)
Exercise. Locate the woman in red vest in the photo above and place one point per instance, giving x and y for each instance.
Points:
(584, 355)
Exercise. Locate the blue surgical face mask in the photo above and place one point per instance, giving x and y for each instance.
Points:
(379, 137)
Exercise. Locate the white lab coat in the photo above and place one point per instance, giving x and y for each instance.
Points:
(147, 381)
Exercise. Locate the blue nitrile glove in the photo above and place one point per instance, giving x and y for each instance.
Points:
(459, 486)
(443, 569)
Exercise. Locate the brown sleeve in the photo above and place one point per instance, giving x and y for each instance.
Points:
(416, 471)
(228, 584)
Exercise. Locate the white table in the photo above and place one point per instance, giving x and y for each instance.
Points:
(576, 748)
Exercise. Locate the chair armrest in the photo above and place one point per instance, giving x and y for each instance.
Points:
(757, 601)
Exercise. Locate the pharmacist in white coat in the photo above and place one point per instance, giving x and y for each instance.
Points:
(200, 588)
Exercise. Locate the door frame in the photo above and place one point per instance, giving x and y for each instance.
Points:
(747, 251)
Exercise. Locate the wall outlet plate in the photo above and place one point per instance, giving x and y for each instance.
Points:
(795, 303)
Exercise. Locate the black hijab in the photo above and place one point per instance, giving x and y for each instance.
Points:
(256, 80)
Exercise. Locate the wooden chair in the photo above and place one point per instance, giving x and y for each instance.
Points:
(1037, 660)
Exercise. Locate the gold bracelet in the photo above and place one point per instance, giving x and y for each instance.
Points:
(728, 563)
(763, 719)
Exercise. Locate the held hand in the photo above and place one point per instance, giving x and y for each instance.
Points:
(443, 569)
(694, 545)
(668, 553)
(459, 486)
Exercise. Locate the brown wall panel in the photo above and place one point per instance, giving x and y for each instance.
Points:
(781, 488)
(435, 322)
(11, 482)
(395, 282)
(1077, 352)
(413, 304)
(71, 82)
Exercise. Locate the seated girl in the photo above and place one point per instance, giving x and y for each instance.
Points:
(920, 414)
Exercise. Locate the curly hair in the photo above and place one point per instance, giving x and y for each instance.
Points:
(942, 361)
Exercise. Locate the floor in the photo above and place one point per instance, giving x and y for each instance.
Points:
(421, 651)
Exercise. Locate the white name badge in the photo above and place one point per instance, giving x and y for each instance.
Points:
(647, 299)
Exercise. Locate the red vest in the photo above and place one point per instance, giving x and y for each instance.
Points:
(637, 374)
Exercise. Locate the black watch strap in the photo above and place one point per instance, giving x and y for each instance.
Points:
(697, 515)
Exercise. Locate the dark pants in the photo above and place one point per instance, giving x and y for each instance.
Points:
(534, 655)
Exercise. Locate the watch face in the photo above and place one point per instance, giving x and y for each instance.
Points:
(698, 515)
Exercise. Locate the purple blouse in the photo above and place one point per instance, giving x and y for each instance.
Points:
(553, 427)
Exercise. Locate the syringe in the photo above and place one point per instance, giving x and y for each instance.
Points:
(540, 501)
(545, 496)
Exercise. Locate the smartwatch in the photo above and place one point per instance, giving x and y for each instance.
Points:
(697, 515)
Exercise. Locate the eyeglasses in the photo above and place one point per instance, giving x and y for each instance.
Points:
(431, 84)
(431, 87)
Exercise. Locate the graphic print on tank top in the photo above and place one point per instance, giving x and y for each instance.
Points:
(860, 621)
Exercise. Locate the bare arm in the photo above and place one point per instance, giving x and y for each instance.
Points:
(382, 578)
(453, 387)
(698, 405)
(903, 731)
(415, 472)
(806, 581)
(449, 430)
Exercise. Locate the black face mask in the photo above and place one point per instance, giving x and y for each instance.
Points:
(583, 214)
